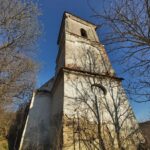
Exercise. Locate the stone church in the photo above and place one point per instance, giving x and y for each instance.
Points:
(83, 107)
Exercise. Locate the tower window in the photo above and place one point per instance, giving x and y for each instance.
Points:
(83, 33)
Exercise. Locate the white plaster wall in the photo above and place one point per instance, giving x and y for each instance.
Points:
(61, 59)
(56, 113)
(77, 87)
(37, 130)
(44, 119)
(84, 56)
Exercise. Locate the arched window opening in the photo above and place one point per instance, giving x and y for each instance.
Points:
(83, 33)
(101, 87)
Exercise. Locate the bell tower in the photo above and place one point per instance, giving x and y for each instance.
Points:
(79, 47)
(91, 91)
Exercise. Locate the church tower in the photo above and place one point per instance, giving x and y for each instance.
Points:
(84, 105)
(77, 41)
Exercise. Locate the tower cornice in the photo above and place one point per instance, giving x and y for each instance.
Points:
(88, 73)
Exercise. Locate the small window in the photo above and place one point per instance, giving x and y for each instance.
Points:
(83, 33)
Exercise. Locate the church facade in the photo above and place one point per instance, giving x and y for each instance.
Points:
(84, 105)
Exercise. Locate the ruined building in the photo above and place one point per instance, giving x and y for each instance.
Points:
(84, 105)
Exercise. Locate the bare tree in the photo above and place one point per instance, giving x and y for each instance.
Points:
(128, 34)
(19, 31)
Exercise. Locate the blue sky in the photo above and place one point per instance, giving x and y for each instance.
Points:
(52, 12)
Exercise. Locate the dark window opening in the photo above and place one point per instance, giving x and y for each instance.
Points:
(83, 33)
